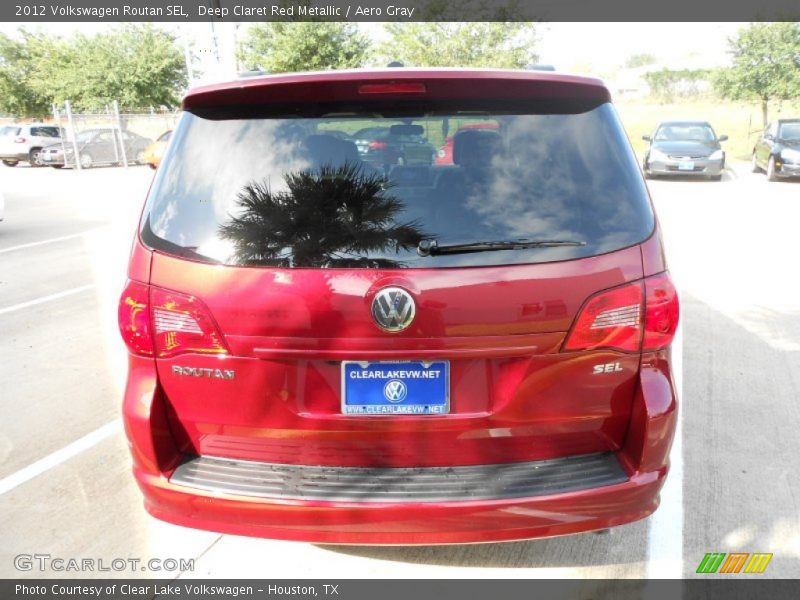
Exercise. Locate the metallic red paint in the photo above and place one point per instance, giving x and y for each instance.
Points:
(515, 396)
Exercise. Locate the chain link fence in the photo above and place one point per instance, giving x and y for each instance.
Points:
(105, 137)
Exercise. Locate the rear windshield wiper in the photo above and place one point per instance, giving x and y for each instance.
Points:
(433, 248)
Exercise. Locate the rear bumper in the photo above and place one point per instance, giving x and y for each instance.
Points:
(556, 497)
(438, 522)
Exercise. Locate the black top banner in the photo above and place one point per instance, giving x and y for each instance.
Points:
(396, 10)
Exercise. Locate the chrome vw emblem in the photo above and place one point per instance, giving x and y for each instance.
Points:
(395, 391)
(393, 309)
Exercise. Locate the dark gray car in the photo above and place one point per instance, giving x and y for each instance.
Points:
(777, 151)
(685, 148)
(97, 147)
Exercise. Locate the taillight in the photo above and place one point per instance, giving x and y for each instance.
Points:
(166, 324)
(134, 319)
(183, 324)
(663, 312)
(641, 315)
(20, 140)
(610, 319)
(378, 145)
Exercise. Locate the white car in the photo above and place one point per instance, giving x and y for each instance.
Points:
(23, 142)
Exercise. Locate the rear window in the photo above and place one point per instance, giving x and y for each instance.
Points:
(673, 132)
(298, 191)
(9, 131)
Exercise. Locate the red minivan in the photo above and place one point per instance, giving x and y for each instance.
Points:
(327, 350)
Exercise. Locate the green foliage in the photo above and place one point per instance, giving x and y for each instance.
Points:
(766, 64)
(19, 60)
(642, 59)
(308, 46)
(498, 45)
(667, 84)
(137, 65)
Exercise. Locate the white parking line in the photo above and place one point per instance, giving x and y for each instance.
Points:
(60, 456)
(43, 242)
(44, 299)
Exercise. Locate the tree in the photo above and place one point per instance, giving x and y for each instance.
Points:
(19, 60)
(766, 65)
(285, 47)
(642, 59)
(137, 65)
(666, 84)
(499, 45)
(326, 217)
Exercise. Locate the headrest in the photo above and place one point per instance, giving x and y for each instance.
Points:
(406, 130)
(478, 145)
(330, 150)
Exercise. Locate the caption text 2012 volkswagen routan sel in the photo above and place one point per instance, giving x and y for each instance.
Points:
(333, 349)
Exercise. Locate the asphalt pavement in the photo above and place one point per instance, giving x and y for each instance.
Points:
(65, 485)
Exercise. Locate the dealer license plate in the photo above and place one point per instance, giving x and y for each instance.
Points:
(396, 388)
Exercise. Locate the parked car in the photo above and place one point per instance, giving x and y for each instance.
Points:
(478, 352)
(397, 144)
(777, 151)
(685, 148)
(444, 156)
(23, 142)
(96, 147)
(155, 151)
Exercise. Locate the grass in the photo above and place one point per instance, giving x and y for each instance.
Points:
(740, 121)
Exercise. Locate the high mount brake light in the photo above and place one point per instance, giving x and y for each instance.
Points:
(641, 315)
(392, 88)
(167, 323)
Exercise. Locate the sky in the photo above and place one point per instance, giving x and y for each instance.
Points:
(585, 48)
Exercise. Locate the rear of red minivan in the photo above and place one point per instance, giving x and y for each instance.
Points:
(327, 349)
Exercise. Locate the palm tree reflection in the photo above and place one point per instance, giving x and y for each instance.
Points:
(327, 217)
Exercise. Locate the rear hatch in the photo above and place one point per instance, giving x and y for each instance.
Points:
(275, 245)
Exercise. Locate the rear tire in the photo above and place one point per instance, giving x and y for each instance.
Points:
(86, 160)
(33, 157)
(11, 163)
(771, 175)
(140, 157)
(716, 178)
(57, 166)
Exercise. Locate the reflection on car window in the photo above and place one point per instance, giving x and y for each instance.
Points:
(296, 192)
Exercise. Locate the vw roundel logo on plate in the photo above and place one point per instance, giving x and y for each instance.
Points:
(393, 309)
(395, 391)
